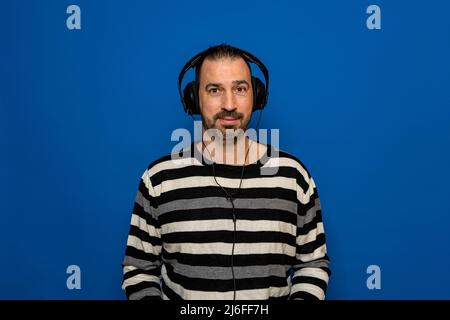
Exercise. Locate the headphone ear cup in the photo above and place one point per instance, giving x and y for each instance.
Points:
(190, 98)
(259, 94)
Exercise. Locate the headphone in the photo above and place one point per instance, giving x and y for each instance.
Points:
(189, 96)
(190, 101)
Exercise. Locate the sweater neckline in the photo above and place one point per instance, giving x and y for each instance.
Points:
(195, 152)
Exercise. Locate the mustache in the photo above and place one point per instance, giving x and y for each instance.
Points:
(225, 113)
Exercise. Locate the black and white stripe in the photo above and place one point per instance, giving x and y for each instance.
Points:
(181, 233)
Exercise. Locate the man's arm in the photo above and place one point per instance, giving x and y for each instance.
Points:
(311, 272)
(142, 262)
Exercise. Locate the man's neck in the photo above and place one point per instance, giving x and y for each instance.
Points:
(241, 150)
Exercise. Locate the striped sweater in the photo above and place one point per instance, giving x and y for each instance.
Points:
(180, 241)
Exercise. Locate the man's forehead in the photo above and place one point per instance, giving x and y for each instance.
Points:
(225, 66)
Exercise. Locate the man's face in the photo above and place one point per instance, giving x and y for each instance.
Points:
(225, 94)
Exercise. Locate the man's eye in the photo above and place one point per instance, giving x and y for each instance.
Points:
(214, 91)
(241, 90)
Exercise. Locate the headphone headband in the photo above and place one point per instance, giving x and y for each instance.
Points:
(261, 93)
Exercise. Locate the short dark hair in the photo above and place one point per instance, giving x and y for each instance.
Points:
(218, 52)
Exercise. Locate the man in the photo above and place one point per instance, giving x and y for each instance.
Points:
(217, 227)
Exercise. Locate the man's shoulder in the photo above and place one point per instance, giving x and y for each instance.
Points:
(283, 158)
(158, 161)
(173, 160)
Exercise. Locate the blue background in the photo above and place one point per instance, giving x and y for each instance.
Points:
(83, 112)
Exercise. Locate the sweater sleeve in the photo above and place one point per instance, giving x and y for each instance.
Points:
(142, 262)
(311, 271)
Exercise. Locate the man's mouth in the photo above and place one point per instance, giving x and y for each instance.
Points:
(228, 120)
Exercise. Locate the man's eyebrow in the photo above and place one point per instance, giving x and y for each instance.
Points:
(211, 84)
(238, 82)
(235, 82)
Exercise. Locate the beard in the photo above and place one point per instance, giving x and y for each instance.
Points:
(227, 132)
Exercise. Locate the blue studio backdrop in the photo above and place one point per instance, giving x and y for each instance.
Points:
(88, 96)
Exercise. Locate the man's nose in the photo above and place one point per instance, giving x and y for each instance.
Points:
(229, 101)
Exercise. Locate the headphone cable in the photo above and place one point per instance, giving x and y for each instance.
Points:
(230, 198)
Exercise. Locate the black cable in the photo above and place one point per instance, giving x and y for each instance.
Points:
(231, 199)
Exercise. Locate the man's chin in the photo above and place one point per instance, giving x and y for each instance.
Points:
(231, 132)
(230, 127)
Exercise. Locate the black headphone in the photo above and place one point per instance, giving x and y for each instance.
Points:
(189, 99)
(189, 96)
